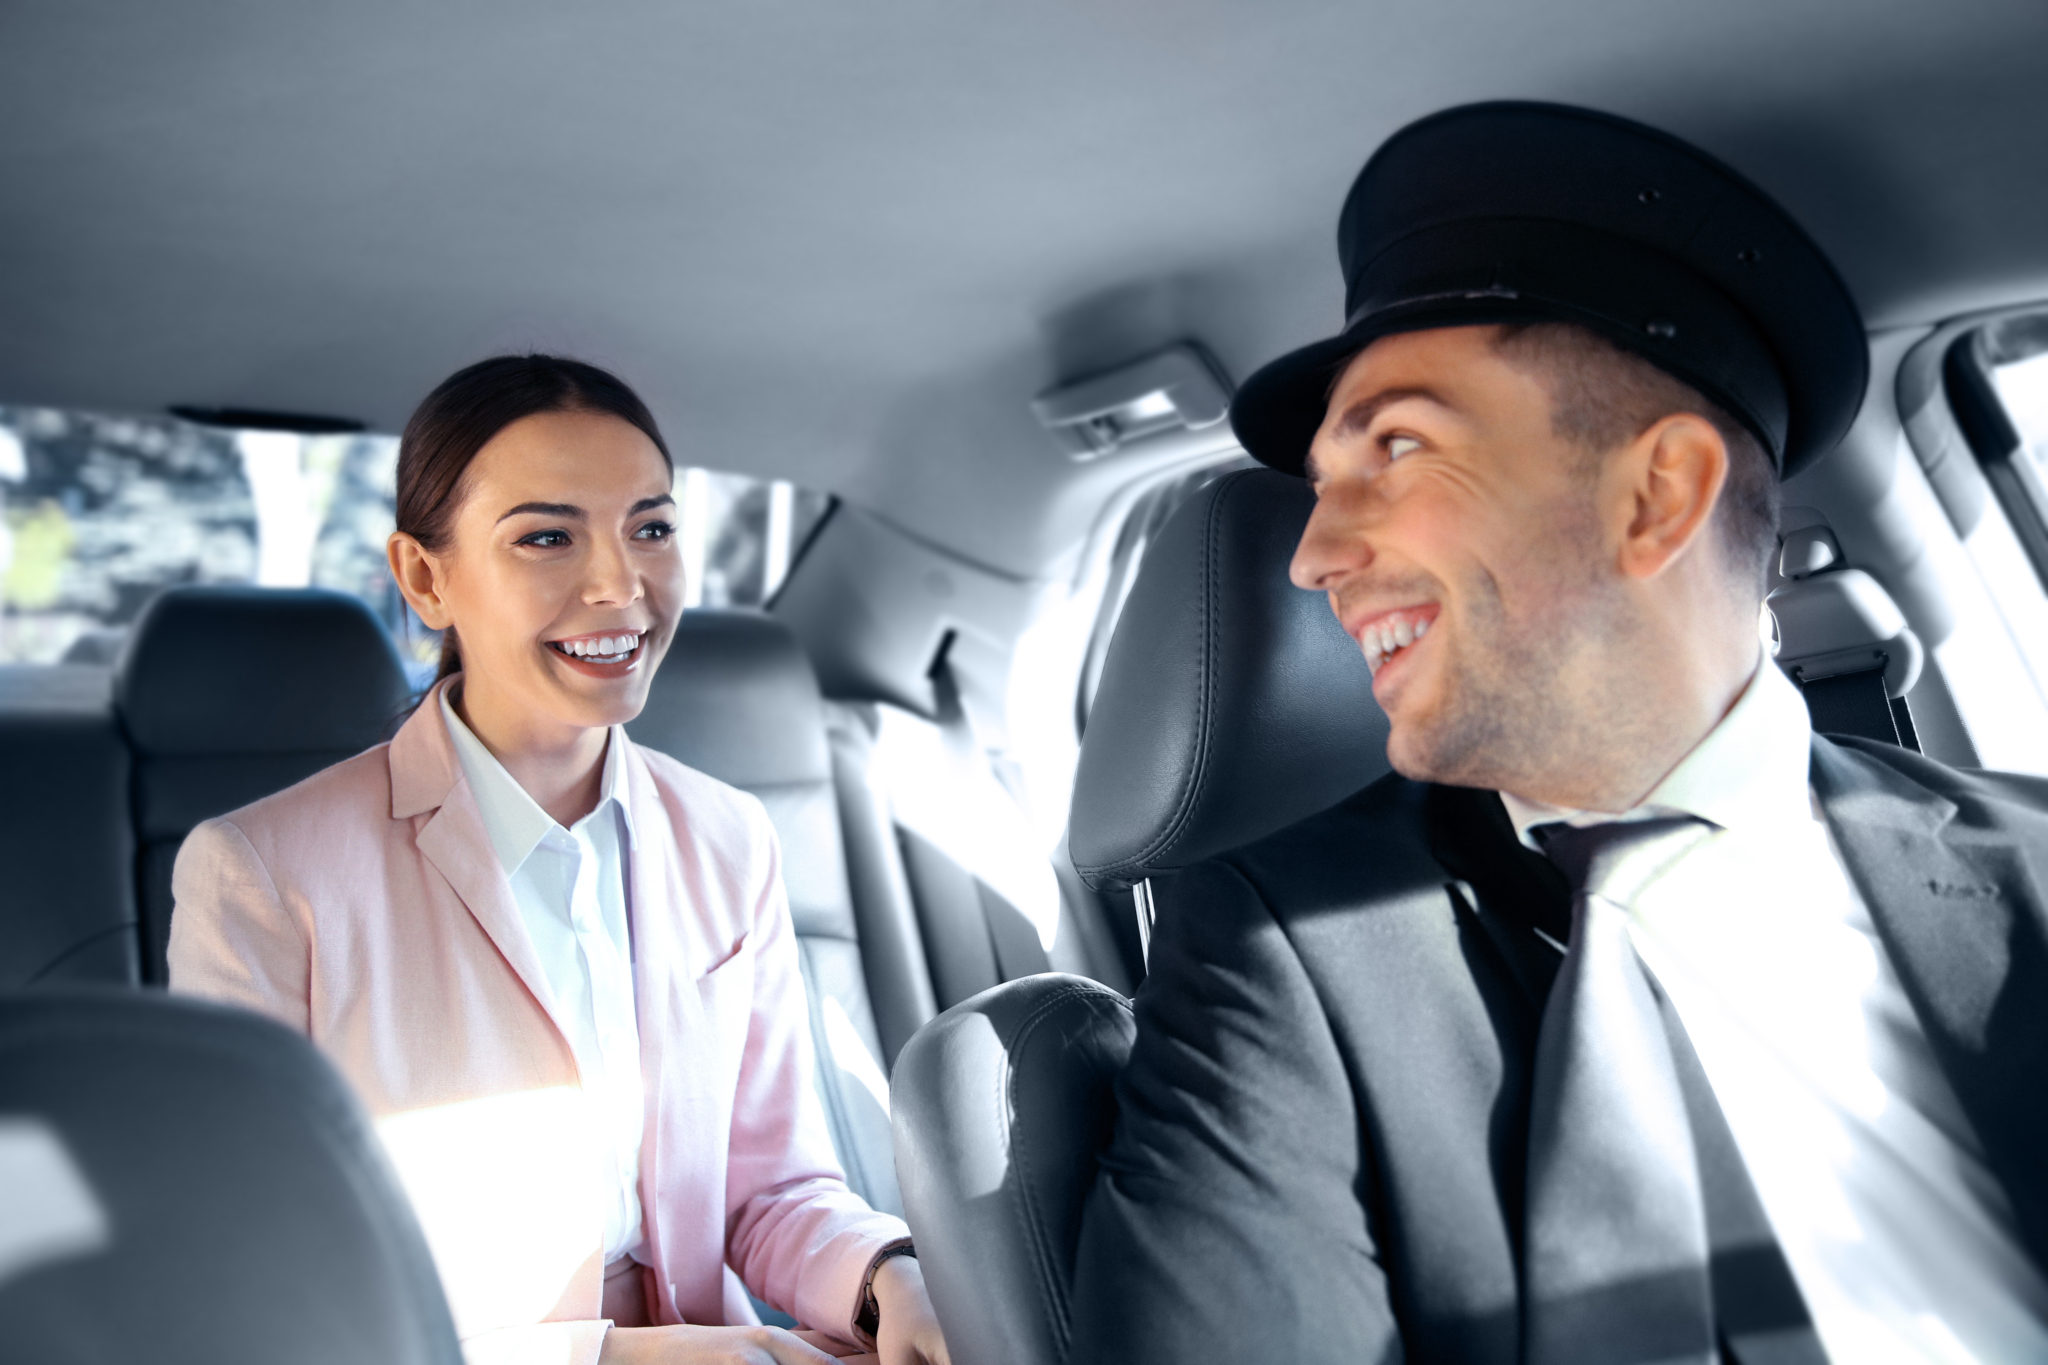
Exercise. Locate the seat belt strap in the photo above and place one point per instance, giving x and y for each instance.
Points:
(1856, 704)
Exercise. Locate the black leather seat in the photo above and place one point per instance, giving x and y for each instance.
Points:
(227, 695)
(67, 904)
(1231, 705)
(736, 698)
(185, 1184)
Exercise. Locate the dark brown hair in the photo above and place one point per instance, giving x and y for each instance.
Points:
(1603, 396)
(471, 406)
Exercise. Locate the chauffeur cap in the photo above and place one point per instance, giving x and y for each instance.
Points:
(1521, 212)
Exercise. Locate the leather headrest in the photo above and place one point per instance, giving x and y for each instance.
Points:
(237, 670)
(220, 1170)
(736, 698)
(1231, 702)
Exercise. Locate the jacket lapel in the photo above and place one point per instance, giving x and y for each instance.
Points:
(666, 1004)
(426, 780)
(1965, 924)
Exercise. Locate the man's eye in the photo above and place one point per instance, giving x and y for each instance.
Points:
(1397, 446)
(545, 540)
(656, 530)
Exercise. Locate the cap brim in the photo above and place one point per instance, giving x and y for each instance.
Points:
(1277, 412)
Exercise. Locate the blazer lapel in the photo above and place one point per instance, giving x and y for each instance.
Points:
(427, 777)
(666, 1004)
(1964, 922)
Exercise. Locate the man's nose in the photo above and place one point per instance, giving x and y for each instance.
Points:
(1332, 545)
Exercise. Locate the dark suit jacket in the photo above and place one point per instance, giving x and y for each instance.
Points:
(1319, 1144)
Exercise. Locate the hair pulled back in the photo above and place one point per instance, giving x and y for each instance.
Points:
(473, 405)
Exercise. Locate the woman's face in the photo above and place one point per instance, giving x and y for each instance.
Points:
(561, 574)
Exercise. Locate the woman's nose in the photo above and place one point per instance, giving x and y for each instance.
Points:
(612, 580)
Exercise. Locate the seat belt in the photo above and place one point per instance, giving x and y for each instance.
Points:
(1857, 704)
(1018, 951)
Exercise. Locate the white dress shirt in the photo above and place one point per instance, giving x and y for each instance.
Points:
(1899, 1237)
(570, 886)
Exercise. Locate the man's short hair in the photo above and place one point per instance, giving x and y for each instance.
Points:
(1602, 397)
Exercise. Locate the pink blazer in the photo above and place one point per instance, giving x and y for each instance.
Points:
(364, 908)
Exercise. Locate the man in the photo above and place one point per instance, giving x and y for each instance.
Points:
(1628, 1020)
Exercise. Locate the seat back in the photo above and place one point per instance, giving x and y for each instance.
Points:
(1003, 1104)
(1230, 705)
(230, 694)
(736, 698)
(187, 1183)
(67, 905)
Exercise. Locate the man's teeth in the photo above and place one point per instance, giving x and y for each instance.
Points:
(1383, 638)
(605, 648)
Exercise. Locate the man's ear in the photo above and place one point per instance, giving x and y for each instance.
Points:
(418, 575)
(1671, 478)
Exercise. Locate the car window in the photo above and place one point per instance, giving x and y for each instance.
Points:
(2013, 354)
(99, 512)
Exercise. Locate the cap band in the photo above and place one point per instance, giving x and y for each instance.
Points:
(1520, 269)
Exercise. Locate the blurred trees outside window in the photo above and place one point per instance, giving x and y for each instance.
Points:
(99, 513)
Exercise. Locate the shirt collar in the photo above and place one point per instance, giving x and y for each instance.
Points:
(1749, 772)
(513, 821)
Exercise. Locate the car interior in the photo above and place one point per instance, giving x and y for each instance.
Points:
(940, 308)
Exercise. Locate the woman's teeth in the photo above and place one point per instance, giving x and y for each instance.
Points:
(1383, 638)
(605, 649)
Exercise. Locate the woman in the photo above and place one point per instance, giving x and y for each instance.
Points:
(558, 967)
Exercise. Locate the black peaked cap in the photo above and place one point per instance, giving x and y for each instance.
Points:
(1520, 212)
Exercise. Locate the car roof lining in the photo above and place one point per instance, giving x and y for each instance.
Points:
(847, 245)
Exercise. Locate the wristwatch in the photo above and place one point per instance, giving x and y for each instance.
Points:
(870, 1315)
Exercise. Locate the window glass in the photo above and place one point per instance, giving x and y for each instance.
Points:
(99, 513)
(2012, 354)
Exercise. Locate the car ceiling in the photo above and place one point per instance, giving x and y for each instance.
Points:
(845, 244)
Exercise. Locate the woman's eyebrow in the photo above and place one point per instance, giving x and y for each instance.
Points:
(649, 504)
(547, 509)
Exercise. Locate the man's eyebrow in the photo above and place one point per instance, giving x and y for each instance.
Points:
(1359, 415)
(546, 509)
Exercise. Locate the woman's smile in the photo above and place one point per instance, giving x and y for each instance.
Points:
(614, 654)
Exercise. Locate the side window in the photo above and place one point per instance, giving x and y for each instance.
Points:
(98, 513)
(1999, 383)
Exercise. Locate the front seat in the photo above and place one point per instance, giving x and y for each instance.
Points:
(229, 694)
(1231, 705)
(184, 1183)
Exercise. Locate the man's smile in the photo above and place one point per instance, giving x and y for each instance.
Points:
(1383, 635)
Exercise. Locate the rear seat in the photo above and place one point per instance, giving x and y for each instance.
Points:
(736, 698)
(67, 905)
(226, 695)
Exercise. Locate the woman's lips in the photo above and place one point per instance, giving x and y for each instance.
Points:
(601, 656)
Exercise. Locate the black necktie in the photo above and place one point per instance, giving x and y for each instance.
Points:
(1616, 1245)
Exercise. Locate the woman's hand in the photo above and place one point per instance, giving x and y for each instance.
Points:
(908, 1331)
(719, 1346)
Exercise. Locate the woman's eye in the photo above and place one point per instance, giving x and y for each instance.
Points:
(1397, 446)
(656, 530)
(545, 540)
